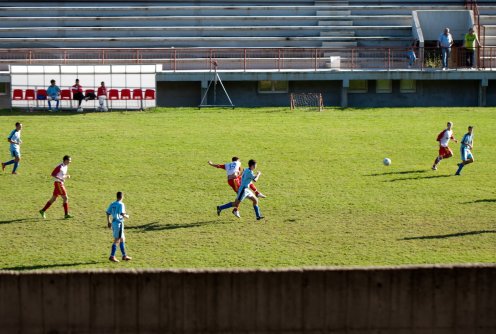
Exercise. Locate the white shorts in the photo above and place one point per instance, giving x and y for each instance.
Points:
(244, 192)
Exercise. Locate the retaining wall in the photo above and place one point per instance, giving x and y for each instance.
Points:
(458, 299)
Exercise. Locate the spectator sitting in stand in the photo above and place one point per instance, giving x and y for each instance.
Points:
(53, 94)
(102, 97)
(77, 94)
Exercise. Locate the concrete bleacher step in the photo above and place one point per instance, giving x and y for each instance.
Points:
(160, 21)
(364, 31)
(333, 12)
(161, 42)
(339, 44)
(487, 10)
(338, 33)
(161, 11)
(335, 23)
(369, 19)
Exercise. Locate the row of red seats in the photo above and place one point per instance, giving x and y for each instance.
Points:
(65, 94)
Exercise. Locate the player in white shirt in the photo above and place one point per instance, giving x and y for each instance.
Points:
(444, 138)
(59, 175)
(233, 171)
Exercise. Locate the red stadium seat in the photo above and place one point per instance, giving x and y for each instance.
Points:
(30, 95)
(65, 94)
(150, 94)
(41, 94)
(137, 94)
(125, 94)
(17, 94)
(89, 91)
(113, 94)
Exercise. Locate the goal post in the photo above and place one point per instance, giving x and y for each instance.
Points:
(307, 101)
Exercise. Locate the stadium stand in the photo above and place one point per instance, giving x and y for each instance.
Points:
(211, 23)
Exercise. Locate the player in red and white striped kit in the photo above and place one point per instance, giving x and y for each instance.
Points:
(444, 138)
(59, 175)
(233, 170)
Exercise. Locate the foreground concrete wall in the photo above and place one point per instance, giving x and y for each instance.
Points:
(401, 300)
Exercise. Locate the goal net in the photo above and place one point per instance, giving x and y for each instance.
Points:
(307, 101)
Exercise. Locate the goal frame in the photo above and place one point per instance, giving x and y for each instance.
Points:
(317, 105)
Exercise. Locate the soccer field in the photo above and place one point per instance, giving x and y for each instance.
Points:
(330, 200)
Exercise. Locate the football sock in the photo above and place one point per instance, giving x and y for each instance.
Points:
(123, 248)
(66, 208)
(460, 167)
(16, 164)
(9, 162)
(226, 206)
(114, 248)
(49, 105)
(257, 210)
(47, 205)
(57, 106)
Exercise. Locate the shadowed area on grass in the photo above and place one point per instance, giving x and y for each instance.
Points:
(418, 171)
(48, 266)
(20, 220)
(487, 200)
(453, 235)
(156, 226)
(419, 178)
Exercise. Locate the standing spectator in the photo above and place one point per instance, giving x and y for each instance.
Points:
(410, 54)
(469, 43)
(445, 41)
(77, 94)
(102, 97)
(53, 94)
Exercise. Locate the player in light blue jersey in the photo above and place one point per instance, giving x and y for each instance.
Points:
(466, 146)
(117, 210)
(15, 148)
(245, 192)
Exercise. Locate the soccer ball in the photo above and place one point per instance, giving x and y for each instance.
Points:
(386, 161)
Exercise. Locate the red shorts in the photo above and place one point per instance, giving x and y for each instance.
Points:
(59, 189)
(445, 152)
(234, 183)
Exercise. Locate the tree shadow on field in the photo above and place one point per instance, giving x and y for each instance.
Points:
(47, 266)
(488, 200)
(418, 171)
(418, 178)
(453, 235)
(156, 226)
(20, 220)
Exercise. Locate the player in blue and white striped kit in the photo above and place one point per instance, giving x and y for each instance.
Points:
(15, 149)
(245, 192)
(466, 147)
(117, 210)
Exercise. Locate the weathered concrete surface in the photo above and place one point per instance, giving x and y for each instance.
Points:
(426, 299)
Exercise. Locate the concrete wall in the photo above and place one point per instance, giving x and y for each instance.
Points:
(433, 23)
(375, 300)
(430, 93)
(244, 93)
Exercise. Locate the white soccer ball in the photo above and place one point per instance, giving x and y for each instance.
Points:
(386, 161)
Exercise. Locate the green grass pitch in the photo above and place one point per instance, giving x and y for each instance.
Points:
(330, 199)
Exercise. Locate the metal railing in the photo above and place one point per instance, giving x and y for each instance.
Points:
(247, 59)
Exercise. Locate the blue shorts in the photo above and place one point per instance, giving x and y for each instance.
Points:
(15, 152)
(118, 229)
(244, 192)
(466, 154)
